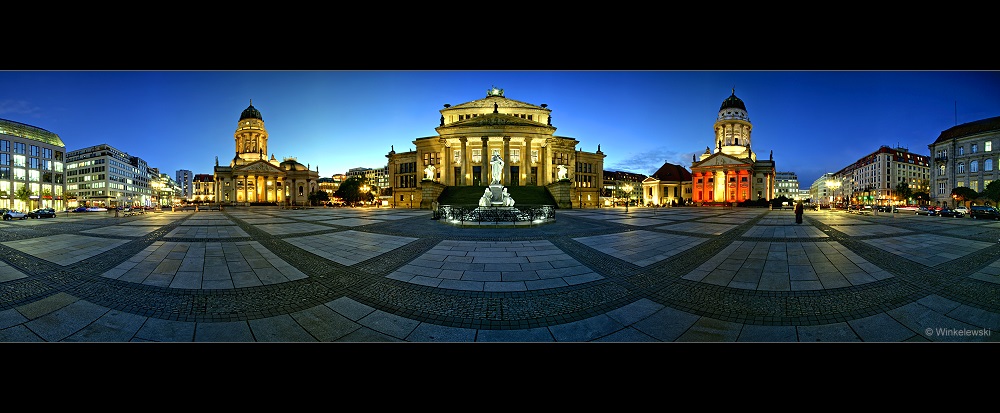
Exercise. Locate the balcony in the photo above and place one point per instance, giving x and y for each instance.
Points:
(941, 159)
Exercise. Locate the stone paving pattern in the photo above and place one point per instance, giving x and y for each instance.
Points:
(597, 275)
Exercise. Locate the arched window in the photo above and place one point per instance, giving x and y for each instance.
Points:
(988, 164)
(974, 166)
(961, 167)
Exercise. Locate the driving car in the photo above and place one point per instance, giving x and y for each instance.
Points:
(948, 212)
(984, 211)
(9, 214)
(42, 213)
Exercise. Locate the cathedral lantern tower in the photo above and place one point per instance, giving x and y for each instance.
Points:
(732, 129)
(251, 136)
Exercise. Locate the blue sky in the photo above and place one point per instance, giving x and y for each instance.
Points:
(814, 121)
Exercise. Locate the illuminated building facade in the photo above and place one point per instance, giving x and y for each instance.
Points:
(520, 134)
(729, 171)
(963, 156)
(251, 178)
(31, 158)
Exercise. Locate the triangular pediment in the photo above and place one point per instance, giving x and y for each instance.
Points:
(721, 159)
(257, 166)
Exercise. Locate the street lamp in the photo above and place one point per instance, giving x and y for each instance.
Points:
(362, 190)
(628, 195)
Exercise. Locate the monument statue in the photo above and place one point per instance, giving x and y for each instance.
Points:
(487, 198)
(496, 169)
(562, 174)
(429, 172)
(507, 200)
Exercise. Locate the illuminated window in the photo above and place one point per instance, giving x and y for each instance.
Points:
(515, 155)
(477, 155)
(534, 156)
(988, 146)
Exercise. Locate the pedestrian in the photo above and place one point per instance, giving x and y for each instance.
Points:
(798, 212)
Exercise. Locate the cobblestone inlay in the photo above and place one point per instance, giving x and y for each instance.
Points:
(622, 282)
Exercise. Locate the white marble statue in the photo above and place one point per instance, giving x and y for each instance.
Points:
(487, 198)
(507, 200)
(562, 174)
(496, 168)
(429, 172)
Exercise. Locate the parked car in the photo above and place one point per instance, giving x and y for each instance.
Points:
(963, 210)
(42, 213)
(924, 210)
(984, 212)
(948, 212)
(9, 214)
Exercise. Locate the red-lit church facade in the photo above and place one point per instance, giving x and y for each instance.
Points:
(731, 173)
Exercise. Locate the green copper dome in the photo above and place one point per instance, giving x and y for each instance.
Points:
(733, 102)
(250, 112)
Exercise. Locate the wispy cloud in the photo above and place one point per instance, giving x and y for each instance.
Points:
(16, 107)
(648, 162)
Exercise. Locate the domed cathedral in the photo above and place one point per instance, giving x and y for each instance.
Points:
(496, 132)
(253, 178)
(729, 170)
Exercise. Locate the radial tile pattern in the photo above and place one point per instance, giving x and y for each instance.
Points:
(684, 274)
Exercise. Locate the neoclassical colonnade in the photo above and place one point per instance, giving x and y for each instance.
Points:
(460, 161)
(721, 185)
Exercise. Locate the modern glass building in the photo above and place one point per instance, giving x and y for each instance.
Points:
(31, 167)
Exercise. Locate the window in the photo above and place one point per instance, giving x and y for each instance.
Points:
(515, 156)
(975, 148)
(974, 166)
(961, 167)
(961, 150)
(477, 155)
(458, 156)
(19, 147)
(4, 145)
(988, 165)
(534, 156)
(988, 146)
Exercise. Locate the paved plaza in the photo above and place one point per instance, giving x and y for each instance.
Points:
(688, 274)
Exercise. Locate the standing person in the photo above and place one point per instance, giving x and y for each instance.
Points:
(798, 212)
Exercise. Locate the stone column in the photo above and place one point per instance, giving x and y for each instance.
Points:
(505, 178)
(525, 160)
(463, 161)
(485, 161)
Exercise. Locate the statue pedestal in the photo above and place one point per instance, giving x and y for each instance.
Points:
(497, 198)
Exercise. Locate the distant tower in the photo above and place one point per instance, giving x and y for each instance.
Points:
(251, 136)
(185, 179)
(732, 128)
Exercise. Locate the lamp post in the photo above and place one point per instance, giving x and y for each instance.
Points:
(362, 190)
(628, 195)
(833, 184)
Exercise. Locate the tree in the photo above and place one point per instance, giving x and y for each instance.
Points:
(921, 196)
(23, 193)
(964, 194)
(904, 191)
(350, 190)
(318, 197)
(992, 192)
